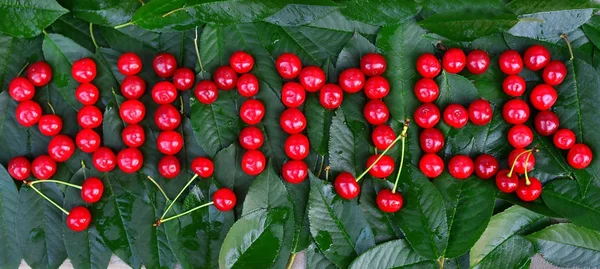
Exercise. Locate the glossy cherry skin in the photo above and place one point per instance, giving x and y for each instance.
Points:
(580, 156)
(292, 121)
(87, 140)
(346, 186)
(206, 92)
(164, 92)
(331, 96)
(89, 117)
(43, 167)
(431, 140)
(352, 80)
(79, 219)
(252, 111)
(20, 89)
(297, 146)
(478, 62)
(461, 166)
(514, 85)
(505, 183)
(373, 64)
(510, 62)
(104, 159)
(247, 85)
(253, 162)
(543, 97)
(293, 94)
(224, 199)
(554, 73)
(84, 70)
(169, 166)
(167, 117)
(522, 162)
(377, 87)
(515, 111)
(130, 160)
(133, 136)
(133, 87)
(129, 64)
(564, 139)
(61, 148)
(486, 166)
(382, 168)
(203, 167)
(546, 123)
(427, 115)
(183, 78)
(50, 125)
(225, 78)
(529, 192)
(294, 171)
(312, 78)
(454, 60)
(431, 165)
(480, 112)
(389, 202)
(428, 65)
(132, 111)
(251, 138)
(426, 90)
(28, 113)
(456, 115)
(241, 62)
(87, 94)
(536, 57)
(383, 135)
(288, 65)
(39, 73)
(19, 168)
(520, 136)
(169, 142)
(92, 190)
(164, 64)
(376, 112)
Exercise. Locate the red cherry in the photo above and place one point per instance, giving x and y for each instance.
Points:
(241, 62)
(376, 112)
(529, 192)
(389, 202)
(505, 183)
(554, 73)
(130, 160)
(79, 219)
(43, 167)
(486, 166)
(456, 115)
(579, 156)
(373, 64)
(543, 97)
(514, 85)
(312, 78)
(203, 167)
(164, 92)
(480, 112)
(133, 87)
(50, 125)
(39, 73)
(132, 111)
(92, 190)
(428, 66)
(352, 80)
(383, 136)
(331, 96)
(546, 123)
(251, 138)
(432, 140)
(164, 64)
(431, 165)
(104, 160)
(206, 92)
(288, 65)
(377, 87)
(183, 78)
(129, 64)
(89, 117)
(382, 168)
(87, 94)
(292, 94)
(247, 85)
(28, 113)
(167, 117)
(294, 171)
(88, 140)
(564, 139)
(169, 166)
(522, 161)
(296, 146)
(20, 89)
(427, 115)
(169, 142)
(454, 60)
(133, 136)
(510, 62)
(84, 70)
(520, 136)
(478, 62)
(253, 162)
(19, 168)
(346, 186)
(536, 57)
(225, 78)
(461, 166)
(292, 121)
(252, 111)
(515, 111)
(426, 90)
(61, 148)
(224, 199)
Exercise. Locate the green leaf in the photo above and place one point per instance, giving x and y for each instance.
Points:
(299, 196)
(533, 6)
(352, 52)
(348, 151)
(468, 26)
(266, 192)
(564, 197)
(103, 12)
(316, 259)
(567, 245)
(228, 171)
(335, 21)
(319, 119)
(393, 254)
(27, 18)
(11, 132)
(10, 256)
(551, 24)
(78, 30)
(473, 5)
(383, 224)
(592, 30)
(300, 12)
(380, 12)
(112, 124)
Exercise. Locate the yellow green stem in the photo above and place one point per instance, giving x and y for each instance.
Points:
(49, 200)
(403, 135)
(160, 221)
(177, 197)
(92, 35)
(30, 183)
(159, 188)
(527, 182)
(378, 158)
(512, 168)
(564, 36)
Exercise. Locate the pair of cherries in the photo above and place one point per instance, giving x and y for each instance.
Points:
(528, 188)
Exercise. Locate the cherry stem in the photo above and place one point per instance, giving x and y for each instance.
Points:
(181, 106)
(159, 188)
(564, 36)
(198, 52)
(512, 168)
(173, 11)
(49, 200)
(92, 35)
(379, 158)
(160, 221)
(141, 2)
(321, 166)
(527, 182)
(23, 69)
(123, 25)
(30, 183)
(403, 135)
(177, 197)
(327, 172)
(51, 108)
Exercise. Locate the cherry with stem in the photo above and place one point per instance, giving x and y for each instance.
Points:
(390, 201)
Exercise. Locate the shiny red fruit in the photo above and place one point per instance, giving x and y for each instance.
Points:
(167, 117)
(206, 92)
(312, 78)
(251, 138)
(292, 121)
(79, 219)
(225, 78)
(543, 97)
(346, 186)
(87, 140)
(133, 136)
(377, 87)
(564, 139)
(529, 192)
(515, 111)
(376, 112)
(89, 117)
(486, 166)
(292, 94)
(505, 183)
(50, 125)
(129, 64)
(87, 94)
(383, 136)
(224, 199)
(431, 165)
(514, 85)
(428, 65)
(92, 190)
(203, 167)
(389, 202)
(294, 171)
(130, 160)
(382, 168)
(454, 60)
(331, 96)
(169, 142)
(427, 115)
(169, 167)
(510, 62)
(461, 166)
(164, 92)
(478, 62)
(132, 111)
(252, 111)
(288, 65)
(297, 146)
(43, 167)
(253, 162)
(61, 148)
(133, 87)
(84, 70)
(28, 113)
(247, 85)
(526, 160)
(183, 79)
(104, 159)
(19, 168)
(352, 80)
(554, 73)
(164, 64)
(20, 89)
(373, 64)
(480, 112)
(426, 90)
(39, 73)
(241, 62)
(546, 123)
(536, 57)
(456, 115)
(520, 136)
(431, 140)
(580, 156)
